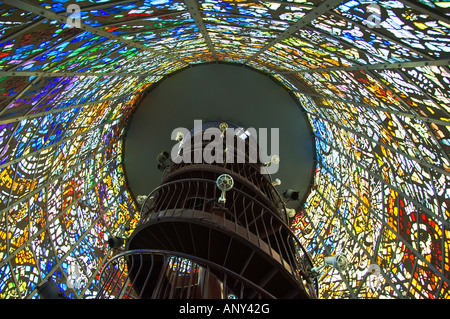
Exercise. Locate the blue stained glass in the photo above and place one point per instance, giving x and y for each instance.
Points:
(156, 2)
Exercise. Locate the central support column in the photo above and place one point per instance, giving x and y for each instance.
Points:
(226, 212)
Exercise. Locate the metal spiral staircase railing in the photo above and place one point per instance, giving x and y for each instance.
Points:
(171, 275)
(227, 221)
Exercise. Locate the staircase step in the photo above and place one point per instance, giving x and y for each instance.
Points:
(221, 246)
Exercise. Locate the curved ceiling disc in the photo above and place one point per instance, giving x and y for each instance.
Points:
(218, 92)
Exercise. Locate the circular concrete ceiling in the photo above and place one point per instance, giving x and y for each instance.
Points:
(218, 92)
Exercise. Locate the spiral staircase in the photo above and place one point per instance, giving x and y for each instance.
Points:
(211, 230)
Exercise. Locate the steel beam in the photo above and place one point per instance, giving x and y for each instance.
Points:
(192, 6)
(386, 184)
(425, 54)
(153, 30)
(34, 57)
(23, 30)
(87, 231)
(379, 66)
(17, 96)
(322, 241)
(394, 150)
(357, 242)
(58, 74)
(376, 108)
(62, 19)
(141, 18)
(52, 180)
(104, 5)
(239, 15)
(289, 3)
(35, 235)
(383, 222)
(416, 5)
(403, 102)
(62, 141)
(436, 102)
(5, 112)
(56, 110)
(322, 8)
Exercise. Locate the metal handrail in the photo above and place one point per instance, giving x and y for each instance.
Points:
(168, 254)
(242, 179)
(295, 268)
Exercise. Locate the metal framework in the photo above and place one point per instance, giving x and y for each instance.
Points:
(62, 141)
(196, 15)
(380, 66)
(404, 242)
(13, 119)
(375, 108)
(424, 54)
(51, 15)
(38, 233)
(412, 158)
(323, 7)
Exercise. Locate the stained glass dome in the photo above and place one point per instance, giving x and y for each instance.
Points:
(372, 77)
